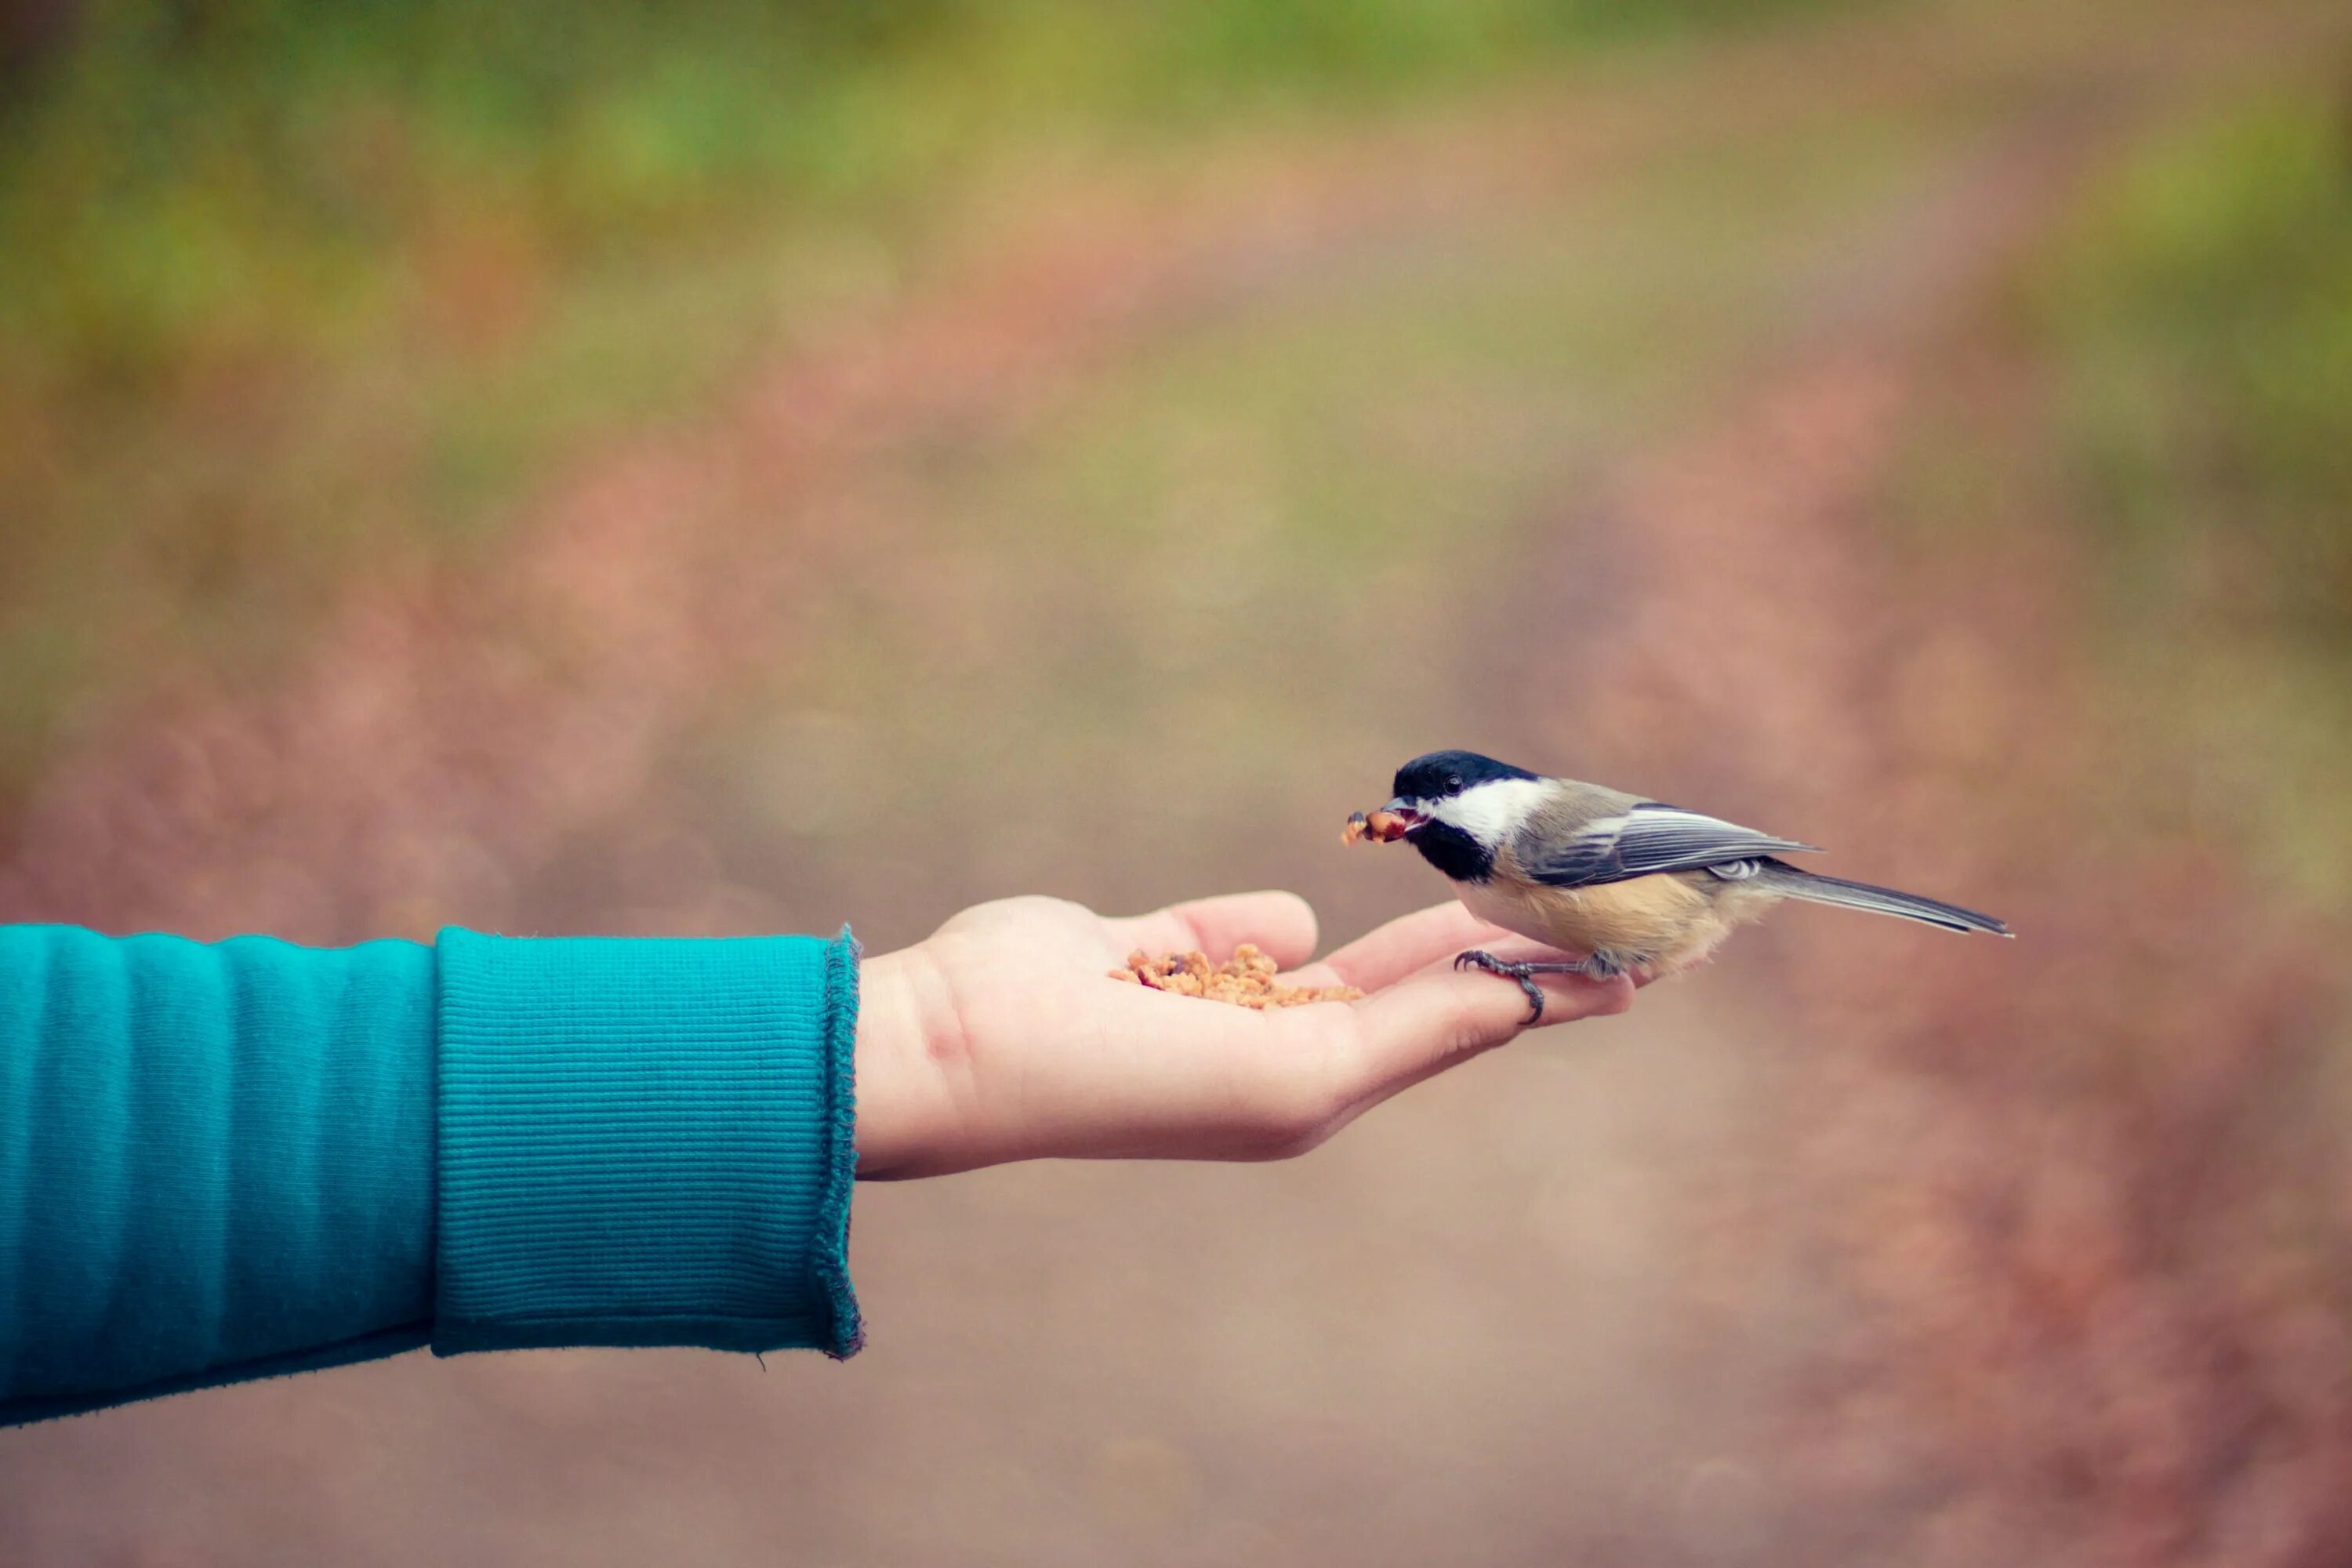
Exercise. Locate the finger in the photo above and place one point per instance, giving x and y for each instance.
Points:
(1281, 925)
(1384, 956)
(1443, 1016)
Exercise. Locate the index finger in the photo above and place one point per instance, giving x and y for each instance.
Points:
(1281, 925)
(1381, 957)
(1445, 1016)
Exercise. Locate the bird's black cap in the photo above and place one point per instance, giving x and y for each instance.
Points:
(1443, 773)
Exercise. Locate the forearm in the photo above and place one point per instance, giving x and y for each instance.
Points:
(222, 1162)
(227, 1162)
(215, 1161)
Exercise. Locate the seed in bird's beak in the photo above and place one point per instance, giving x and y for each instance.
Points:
(1385, 826)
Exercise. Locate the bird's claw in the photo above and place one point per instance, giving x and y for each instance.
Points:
(1598, 966)
(1523, 972)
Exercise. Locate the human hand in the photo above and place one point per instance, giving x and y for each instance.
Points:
(1002, 1036)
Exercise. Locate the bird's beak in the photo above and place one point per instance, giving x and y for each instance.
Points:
(1409, 811)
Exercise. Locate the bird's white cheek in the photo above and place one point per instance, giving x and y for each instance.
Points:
(1491, 812)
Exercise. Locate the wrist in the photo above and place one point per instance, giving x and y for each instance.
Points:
(906, 1031)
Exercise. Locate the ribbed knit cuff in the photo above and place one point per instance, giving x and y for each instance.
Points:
(645, 1141)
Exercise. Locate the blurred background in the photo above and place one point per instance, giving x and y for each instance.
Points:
(737, 467)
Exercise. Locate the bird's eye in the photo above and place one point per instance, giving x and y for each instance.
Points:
(1453, 783)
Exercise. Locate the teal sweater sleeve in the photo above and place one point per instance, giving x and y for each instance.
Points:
(231, 1160)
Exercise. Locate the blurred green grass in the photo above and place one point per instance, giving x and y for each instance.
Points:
(2201, 322)
(191, 181)
(2187, 426)
(286, 285)
(2203, 307)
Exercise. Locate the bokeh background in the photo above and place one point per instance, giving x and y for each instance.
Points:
(735, 466)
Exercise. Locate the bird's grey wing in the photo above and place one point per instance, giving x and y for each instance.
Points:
(1642, 840)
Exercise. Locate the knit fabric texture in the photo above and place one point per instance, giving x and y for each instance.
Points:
(639, 1143)
(216, 1162)
(220, 1162)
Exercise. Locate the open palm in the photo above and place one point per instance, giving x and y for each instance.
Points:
(1002, 1036)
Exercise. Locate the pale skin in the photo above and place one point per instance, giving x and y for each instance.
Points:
(1003, 1036)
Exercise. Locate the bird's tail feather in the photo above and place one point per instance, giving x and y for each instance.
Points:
(1790, 882)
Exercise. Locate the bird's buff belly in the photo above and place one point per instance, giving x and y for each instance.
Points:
(1660, 923)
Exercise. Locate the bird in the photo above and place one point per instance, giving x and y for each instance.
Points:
(1636, 885)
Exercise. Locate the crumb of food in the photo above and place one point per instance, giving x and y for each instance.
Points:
(1380, 827)
(1245, 980)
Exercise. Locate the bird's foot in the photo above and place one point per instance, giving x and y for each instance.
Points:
(1598, 967)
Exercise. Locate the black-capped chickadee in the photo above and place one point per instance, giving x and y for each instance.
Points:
(1635, 884)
